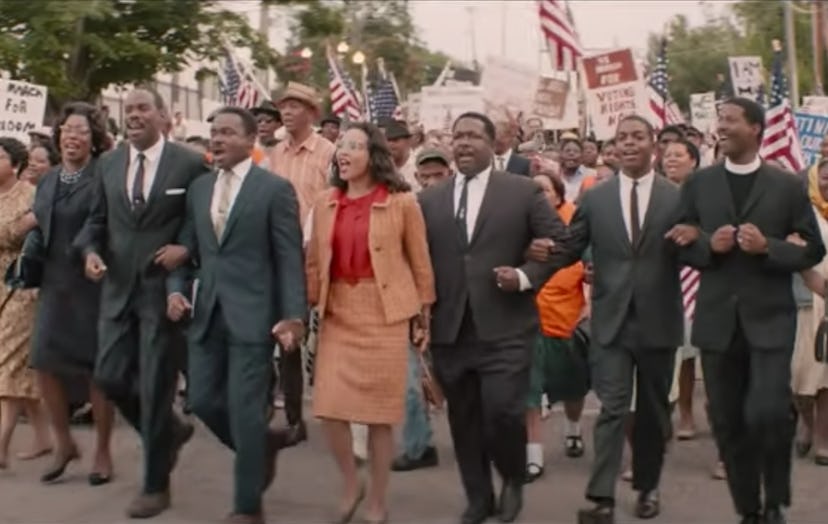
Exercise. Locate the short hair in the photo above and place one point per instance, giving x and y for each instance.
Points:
(570, 140)
(51, 151)
(642, 120)
(608, 142)
(248, 120)
(157, 99)
(754, 114)
(94, 117)
(675, 130)
(591, 140)
(17, 152)
(557, 185)
(488, 125)
(692, 150)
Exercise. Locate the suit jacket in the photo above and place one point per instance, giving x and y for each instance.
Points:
(399, 254)
(255, 270)
(519, 165)
(127, 240)
(754, 291)
(514, 211)
(646, 274)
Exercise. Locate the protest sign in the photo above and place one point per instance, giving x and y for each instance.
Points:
(613, 90)
(811, 129)
(22, 107)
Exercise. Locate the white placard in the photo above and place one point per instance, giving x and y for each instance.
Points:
(614, 90)
(746, 76)
(440, 106)
(22, 108)
(815, 105)
(509, 85)
(703, 111)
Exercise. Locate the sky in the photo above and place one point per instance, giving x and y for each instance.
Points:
(602, 24)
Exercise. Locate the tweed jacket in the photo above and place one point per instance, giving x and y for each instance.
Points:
(399, 254)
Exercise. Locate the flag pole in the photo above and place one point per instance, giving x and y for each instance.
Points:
(790, 45)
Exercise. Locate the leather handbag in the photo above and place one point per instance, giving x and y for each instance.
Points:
(432, 392)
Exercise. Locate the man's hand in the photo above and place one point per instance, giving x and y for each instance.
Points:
(795, 239)
(507, 278)
(171, 256)
(94, 267)
(751, 240)
(289, 333)
(723, 239)
(683, 234)
(539, 249)
(177, 306)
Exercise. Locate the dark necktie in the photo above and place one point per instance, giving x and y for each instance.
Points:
(462, 210)
(635, 223)
(138, 199)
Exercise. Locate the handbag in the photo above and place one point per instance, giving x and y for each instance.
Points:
(432, 392)
(821, 339)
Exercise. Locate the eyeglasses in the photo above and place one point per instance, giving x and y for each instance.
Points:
(352, 146)
(75, 130)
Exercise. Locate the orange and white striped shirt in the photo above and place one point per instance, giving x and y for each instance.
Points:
(306, 166)
(689, 287)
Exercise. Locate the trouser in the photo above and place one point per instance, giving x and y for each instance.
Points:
(751, 407)
(230, 391)
(416, 433)
(136, 369)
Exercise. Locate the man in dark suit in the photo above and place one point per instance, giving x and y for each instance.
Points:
(737, 217)
(480, 223)
(637, 316)
(135, 215)
(505, 158)
(243, 232)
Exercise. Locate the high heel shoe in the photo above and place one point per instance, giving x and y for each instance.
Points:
(59, 467)
(348, 516)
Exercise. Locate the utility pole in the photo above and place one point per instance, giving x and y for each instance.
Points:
(816, 42)
(790, 52)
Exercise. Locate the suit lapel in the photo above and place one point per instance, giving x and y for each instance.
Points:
(492, 188)
(721, 188)
(616, 211)
(121, 161)
(653, 207)
(161, 174)
(756, 191)
(246, 192)
(47, 195)
(205, 204)
(448, 207)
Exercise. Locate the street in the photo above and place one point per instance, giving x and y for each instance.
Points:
(306, 486)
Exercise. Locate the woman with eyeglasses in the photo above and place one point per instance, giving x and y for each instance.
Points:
(65, 335)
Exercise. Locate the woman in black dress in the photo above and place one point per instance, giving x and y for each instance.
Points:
(65, 335)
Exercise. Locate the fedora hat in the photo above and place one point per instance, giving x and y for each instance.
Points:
(267, 108)
(301, 92)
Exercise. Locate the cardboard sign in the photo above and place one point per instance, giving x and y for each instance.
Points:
(550, 98)
(811, 129)
(614, 90)
(22, 108)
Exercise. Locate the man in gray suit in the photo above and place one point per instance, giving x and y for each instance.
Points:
(637, 316)
(242, 230)
(479, 225)
(136, 213)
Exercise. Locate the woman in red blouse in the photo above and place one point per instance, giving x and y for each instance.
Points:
(369, 275)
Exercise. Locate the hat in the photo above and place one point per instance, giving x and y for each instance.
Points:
(330, 119)
(302, 93)
(267, 108)
(429, 154)
(395, 129)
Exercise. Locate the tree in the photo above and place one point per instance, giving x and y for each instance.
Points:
(378, 29)
(79, 47)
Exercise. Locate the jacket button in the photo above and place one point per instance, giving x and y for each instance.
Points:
(384, 286)
(377, 248)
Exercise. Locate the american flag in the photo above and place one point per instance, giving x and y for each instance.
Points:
(780, 142)
(664, 111)
(237, 88)
(344, 102)
(560, 34)
(383, 101)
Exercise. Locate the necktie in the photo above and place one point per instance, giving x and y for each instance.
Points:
(462, 211)
(635, 223)
(225, 187)
(500, 163)
(138, 199)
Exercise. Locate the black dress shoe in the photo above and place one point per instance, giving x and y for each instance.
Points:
(753, 518)
(428, 459)
(511, 501)
(477, 513)
(774, 516)
(99, 479)
(600, 514)
(648, 505)
(296, 433)
(59, 467)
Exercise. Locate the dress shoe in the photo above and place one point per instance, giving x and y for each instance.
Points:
(600, 514)
(428, 459)
(59, 466)
(99, 479)
(511, 501)
(296, 433)
(348, 514)
(276, 440)
(753, 518)
(148, 505)
(648, 505)
(774, 516)
(244, 518)
(477, 513)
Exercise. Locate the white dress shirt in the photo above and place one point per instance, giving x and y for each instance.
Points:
(476, 188)
(645, 189)
(743, 169)
(502, 161)
(237, 174)
(152, 157)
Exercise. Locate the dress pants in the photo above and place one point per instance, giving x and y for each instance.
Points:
(754, 422)
(136, 369)
(613, 368)
(486, 385)
(229, 391)
(416, 433)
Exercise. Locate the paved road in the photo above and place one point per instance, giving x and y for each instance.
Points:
(306, 485)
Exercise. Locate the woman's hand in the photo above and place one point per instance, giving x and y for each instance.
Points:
(421, 332)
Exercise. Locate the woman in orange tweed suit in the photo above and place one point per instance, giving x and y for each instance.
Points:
(369, 275)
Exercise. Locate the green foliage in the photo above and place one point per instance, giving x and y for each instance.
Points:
(378, 28)
(78, 47)
(696, 54)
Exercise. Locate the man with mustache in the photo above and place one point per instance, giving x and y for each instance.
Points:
(135, 217)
